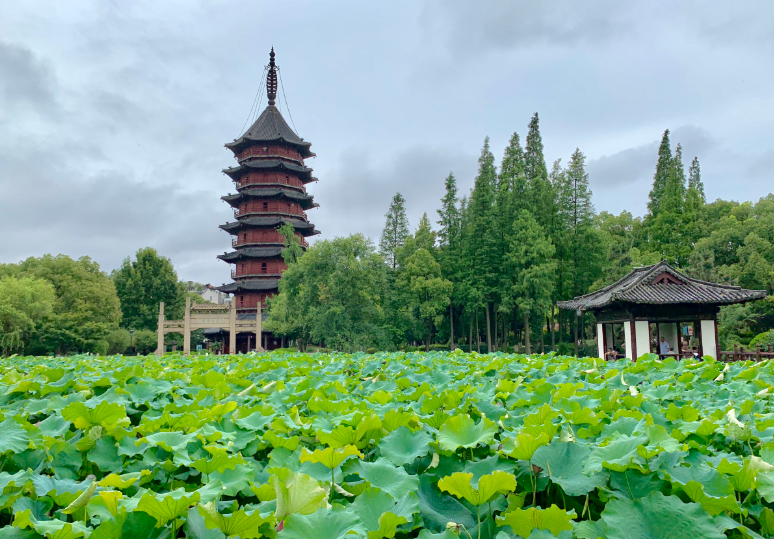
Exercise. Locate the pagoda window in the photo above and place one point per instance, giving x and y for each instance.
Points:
(265, 149)
(265, 206)
(263, 267)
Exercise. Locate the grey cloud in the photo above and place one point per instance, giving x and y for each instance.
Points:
(25, 81)
(359, 188)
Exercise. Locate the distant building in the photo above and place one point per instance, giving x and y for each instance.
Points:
(208, 292)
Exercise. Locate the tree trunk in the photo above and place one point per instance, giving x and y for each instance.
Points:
(488, 331)
(451, 327)
(515, 328)
(470, 336)
(553, 331)
(494, 310)
(429, 335)
(527, 344)
(478, 334)
(542, 341)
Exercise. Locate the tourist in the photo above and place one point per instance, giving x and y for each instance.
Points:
(611, 355)
(663, 347)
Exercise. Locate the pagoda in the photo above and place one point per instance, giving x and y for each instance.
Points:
(270, 180)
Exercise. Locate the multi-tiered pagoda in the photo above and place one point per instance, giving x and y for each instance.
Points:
(270, 180)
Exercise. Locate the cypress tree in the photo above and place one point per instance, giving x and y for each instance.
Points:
(540, 194)
(449, 236)
(695, 185)
(661, 177)
(693, 210)
(396, 230)
(483, 239)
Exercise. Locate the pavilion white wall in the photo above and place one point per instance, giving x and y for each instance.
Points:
(708, 342)
(642, 336)
(627, 328)
(600, 341)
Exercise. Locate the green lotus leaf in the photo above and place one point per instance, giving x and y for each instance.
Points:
(122, 481)
(621, 454)
(219, 460)
(275, 441)
(706, 486)
(105, 455)
(82, 500)
(195, 528)
(104, 414)
(463, 431)
(402, 446)
(523, 446)
(233, 480)
(53, 426)
(323, 524)
(129, 526)
(51, 529)
(381, 514)
(89, 441)
(524, 521)
(254, 422)
(384, 475)
(239, 523)
(489, 486)
(563, 464)
(170, 441)
(62, 491)
(298, 494)
(657, 517)
(330, 457)
(167, 506)
(13, 437)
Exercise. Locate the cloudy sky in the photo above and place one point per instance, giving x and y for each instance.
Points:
(113, 114)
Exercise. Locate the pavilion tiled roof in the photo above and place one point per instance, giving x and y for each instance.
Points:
(272, 127)
(649, 285)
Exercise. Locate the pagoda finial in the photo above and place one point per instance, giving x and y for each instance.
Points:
(271, 79)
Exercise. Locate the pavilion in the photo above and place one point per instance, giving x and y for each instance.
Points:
(658, 301)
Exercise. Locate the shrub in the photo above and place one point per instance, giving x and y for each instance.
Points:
(370, 351)
(439, 347)
(118, 341)
(145, 341)
(763, 339)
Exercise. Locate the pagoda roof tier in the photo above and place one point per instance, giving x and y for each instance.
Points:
(304, 173)
(252, 252)
(271, 127)
(305, 228)
(661, 284)
(305, 201)
(254, 285)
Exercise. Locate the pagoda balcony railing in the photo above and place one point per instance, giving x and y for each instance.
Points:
(239, 213)
(282, 182)
(236, 243)
(235, 275)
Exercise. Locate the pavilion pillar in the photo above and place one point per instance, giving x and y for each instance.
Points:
(642, 337)
(258, 329)
(601, 340)
(232, 327)
(187, 328)
(628, 340)
(160, 342)
(709, 338)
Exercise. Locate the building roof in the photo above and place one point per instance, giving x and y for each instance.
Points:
(306, 201)
(304, 173)
(271, 127)
(305, 228)
(252, 252)
(661, 284)
(257, 285)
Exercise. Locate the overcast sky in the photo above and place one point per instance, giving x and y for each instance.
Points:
(113, 114)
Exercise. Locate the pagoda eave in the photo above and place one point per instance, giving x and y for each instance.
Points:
(250, 286)
(252, 252)
(303, 227)
(305, 173)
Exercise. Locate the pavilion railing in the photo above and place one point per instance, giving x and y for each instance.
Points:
(739, 353)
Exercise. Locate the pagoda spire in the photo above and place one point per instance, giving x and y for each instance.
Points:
(271, 79)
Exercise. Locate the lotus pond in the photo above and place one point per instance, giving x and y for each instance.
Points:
(428, 445)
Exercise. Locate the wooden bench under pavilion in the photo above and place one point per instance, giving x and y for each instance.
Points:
(658, 301)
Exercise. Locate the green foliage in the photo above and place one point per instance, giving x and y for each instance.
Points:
(385, 445)
(25, 304)
(85, 309)
(142, 283)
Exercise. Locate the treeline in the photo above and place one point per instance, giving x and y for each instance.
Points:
(58, 305)
(488, 276)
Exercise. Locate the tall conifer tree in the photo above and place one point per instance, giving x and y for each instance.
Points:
(540, 193)
(483, 239)
(396, 230)
(661, 177)
(449, 237)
